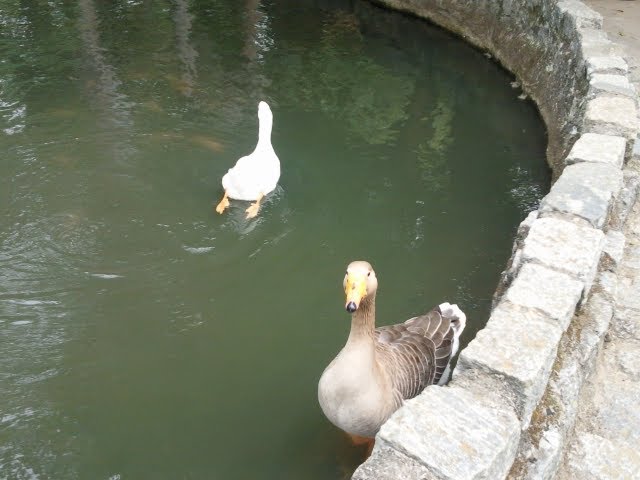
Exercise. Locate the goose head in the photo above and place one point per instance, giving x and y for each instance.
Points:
(360, 283)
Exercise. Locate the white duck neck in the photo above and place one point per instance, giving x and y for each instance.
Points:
(265, 122)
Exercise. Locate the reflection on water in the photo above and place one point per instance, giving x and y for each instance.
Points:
(432, 153)
(144, 336)
(103, 83)
(367, 96)
(186, 52)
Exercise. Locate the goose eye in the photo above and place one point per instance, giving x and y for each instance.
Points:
(369, 274)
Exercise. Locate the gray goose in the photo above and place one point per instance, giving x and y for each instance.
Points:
(379, 368)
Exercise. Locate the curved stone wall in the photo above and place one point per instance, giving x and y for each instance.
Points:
(511, 403)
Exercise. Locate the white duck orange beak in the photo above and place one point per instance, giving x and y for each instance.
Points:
(355, 289)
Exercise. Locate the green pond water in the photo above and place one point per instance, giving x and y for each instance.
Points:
(143, 336)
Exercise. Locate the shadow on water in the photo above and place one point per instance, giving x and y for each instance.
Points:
(144, 336)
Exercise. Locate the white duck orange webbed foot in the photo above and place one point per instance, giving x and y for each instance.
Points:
(224, 203)
(253, 209)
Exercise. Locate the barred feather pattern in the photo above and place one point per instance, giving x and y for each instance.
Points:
(416, 353)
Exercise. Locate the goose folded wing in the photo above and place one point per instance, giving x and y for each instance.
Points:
(415, 353)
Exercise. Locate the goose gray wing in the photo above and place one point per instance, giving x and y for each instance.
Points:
(415, 354)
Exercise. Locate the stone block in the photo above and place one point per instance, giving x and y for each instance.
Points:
(612, 116)
(632, 255)
(626, 322)
(626, 199)
(607, 64)
(629, 292)
(586, 190)
(583, 16)
(554, 293)
(525, 225)
(608, 283)
(596, 317)
(565, 246)
(613, 404)
(547, 457)
(628, 360)
(386, 463)
(518, 346)
(556, 416)
(597, 458)
(595, 43)
(614, 246)
(633, 222)
(611, 83)
(455, 434)
(596, 148)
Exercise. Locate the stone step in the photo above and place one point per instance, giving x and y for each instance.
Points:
(592, 457)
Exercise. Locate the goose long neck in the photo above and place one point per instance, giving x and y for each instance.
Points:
(363, 322)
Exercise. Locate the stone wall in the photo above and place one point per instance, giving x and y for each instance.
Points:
(511, 403)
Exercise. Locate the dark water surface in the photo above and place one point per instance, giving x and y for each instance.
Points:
(142, 336)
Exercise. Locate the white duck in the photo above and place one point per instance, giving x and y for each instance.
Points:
(258, 173)
(379, 368)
